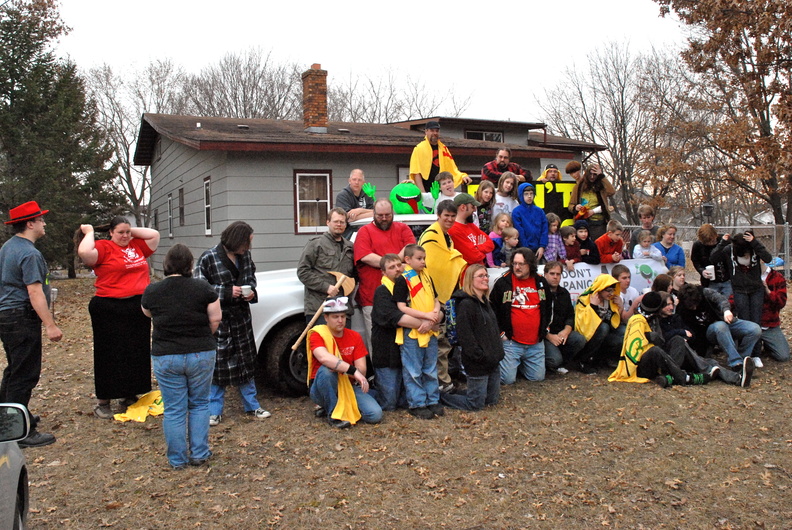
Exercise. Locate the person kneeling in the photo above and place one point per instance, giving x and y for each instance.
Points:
(338, 357)
(479, 337)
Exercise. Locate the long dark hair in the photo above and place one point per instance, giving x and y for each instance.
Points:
(236, 237)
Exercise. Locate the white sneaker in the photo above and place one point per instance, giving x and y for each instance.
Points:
(259, 413)
(758, 362)
(562, 370)
(215, 420)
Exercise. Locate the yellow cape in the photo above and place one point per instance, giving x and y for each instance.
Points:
(586, 318)
(421, 161)
(444, 264)
(633, 348)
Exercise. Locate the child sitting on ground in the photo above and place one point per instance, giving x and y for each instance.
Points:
(571, 247)
(645, 248)
(555, 250)
(501, 221)
(510, 241)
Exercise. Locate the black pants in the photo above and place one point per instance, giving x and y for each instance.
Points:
(20, 331)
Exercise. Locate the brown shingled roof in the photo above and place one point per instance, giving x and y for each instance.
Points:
(235, 134)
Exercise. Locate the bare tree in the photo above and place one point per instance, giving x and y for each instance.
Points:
(120, 103)
(249, 85)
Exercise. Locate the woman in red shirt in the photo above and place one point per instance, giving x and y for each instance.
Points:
(122, 333)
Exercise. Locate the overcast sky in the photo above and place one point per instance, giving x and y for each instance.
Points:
(502, 54)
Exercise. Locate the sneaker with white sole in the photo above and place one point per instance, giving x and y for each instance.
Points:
(215, 420)
(758, 362)
(562, 370)
(747, 372)
(259, 413)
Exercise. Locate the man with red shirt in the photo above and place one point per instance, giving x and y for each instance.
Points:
(467, 237)
(521, 306)
(383, 236)
(337, 360)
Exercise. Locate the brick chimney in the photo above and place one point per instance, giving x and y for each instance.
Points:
(315, 99)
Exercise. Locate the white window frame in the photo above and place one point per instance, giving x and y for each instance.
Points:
(322, 227)
(170, 215)
(207, 199)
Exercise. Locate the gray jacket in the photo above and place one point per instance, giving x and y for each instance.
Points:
(320, 255)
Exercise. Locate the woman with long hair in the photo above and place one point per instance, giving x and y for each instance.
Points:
(479, 338)
(228, 267)
(121, 332)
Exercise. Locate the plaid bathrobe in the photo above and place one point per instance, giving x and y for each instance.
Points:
(236, 347)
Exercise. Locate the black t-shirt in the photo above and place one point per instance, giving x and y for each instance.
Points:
(178, 311)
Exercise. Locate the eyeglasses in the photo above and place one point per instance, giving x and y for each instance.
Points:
(480, 276)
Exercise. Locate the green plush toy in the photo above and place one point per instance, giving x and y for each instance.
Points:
(406, 199)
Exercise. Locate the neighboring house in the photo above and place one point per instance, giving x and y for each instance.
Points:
(282, 176)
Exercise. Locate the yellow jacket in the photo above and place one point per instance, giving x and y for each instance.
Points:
(633, 348)
(586, 318)
(421, 162)
(444, 263)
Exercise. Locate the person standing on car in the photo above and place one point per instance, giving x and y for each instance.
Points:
(24, 306)
(227, 267)
(323, 255)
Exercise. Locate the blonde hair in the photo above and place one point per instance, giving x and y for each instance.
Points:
(467, 280)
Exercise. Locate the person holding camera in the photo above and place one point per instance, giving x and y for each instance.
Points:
(589, 200)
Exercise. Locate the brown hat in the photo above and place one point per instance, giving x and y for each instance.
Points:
(572, 166)
(25, 212)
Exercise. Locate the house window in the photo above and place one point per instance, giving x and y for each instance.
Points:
(181, 206)
(487, 136)
(170, 215)
(312, 201)
(207, 206)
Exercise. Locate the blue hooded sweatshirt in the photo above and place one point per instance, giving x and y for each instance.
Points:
(530, 221)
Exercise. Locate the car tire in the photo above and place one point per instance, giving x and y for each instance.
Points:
(286, 368)
(19, 515)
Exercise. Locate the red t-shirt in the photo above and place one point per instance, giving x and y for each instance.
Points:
(525, 313)
(350, 344)
(121, 272)
(371, 239)
(607, 247)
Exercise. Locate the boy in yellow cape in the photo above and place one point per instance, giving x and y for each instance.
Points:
(597, 318)
(338, 357)
(415, 296)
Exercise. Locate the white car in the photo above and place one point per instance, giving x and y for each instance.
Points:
(278, 319)
(14, 426)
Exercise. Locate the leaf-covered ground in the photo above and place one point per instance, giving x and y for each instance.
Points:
(571, 452)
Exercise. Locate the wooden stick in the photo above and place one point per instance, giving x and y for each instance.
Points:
(296, 345)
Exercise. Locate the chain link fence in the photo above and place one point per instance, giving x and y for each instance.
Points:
(774, 237)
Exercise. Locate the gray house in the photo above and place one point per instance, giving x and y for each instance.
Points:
(281, 176)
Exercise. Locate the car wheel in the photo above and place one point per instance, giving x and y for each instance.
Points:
(19, 515)
(287, 368)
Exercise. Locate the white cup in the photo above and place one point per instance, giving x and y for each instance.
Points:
(247, 290)
(710, 271)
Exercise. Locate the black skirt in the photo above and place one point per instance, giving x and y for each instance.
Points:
(122, 347)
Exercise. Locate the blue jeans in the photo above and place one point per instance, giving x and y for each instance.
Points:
(184, 381)
(528, 358)
(390, 385)
(481, 391)
(724, 288)
(419, 373)
(727, 336)
(556, 356)
(775, 344)
(247, 392)
(324, 392)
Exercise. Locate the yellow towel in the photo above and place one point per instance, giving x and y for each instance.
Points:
(421, 162)
(148, 405)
